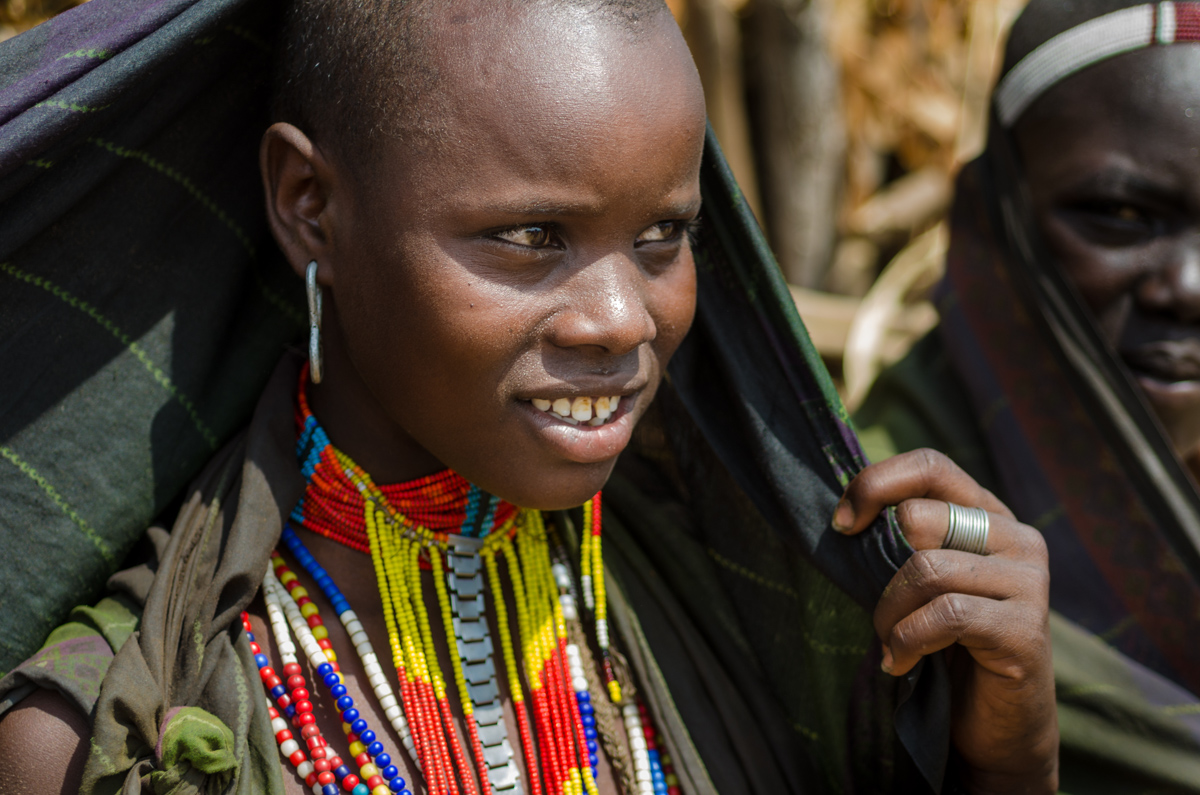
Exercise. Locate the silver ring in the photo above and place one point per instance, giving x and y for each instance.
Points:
(968, 530)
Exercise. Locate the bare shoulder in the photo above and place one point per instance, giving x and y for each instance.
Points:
(43, 745)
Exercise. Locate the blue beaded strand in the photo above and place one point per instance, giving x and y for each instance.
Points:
(657, 779)
(333, 680)
(587, 714)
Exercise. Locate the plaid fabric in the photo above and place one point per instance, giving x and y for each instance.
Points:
(143, 304)
(1119, 561)
(1123, 726)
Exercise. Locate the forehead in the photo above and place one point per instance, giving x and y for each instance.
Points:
(553, 87)
(1141, 107)
(1142, 94)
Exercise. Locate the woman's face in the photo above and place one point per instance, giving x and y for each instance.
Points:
(531, 254)
(1112, 160)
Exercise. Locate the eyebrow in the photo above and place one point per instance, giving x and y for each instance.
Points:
(553, 209)
(1115, 179)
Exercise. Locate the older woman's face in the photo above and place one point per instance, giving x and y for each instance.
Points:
(1112, 160)
(534, 256)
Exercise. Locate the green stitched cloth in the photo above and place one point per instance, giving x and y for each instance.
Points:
(142, 302)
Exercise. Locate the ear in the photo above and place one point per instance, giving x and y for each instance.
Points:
(299, 185)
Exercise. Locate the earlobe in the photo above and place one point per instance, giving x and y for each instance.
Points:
(297, 183)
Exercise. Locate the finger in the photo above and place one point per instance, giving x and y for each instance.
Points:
(995, 632)
(921, 473)
(926, 523)
(930, 574)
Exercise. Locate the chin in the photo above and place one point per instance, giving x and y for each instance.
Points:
(555, 489)
(1177, 405)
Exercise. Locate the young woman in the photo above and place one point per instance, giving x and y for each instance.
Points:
(492, 207)
(1064, 374)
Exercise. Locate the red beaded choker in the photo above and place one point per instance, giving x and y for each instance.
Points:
(332, 506)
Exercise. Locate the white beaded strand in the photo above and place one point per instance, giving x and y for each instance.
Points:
(358, 637)
(637, 744)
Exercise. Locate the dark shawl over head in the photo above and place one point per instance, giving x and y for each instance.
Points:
(1077, 452)
(144, 304)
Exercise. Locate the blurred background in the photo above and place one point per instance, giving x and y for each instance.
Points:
(845, 122)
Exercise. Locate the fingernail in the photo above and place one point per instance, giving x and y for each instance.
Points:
(843, 517)
(886, 665)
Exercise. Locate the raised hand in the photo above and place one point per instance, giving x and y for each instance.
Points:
(989, 612)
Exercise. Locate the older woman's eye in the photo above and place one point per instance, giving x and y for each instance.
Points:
(662, 232)
(531, 236)
(1115, 222)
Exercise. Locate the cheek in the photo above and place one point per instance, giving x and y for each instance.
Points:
(673, 306)
(423, 330)
(1105, 277)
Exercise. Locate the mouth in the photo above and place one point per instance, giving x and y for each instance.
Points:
(590, 411)
(1167, 361)
(582, 428)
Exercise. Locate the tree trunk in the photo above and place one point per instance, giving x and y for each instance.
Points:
(711, 28)
(793, 89)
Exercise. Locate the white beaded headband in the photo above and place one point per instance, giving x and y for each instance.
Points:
(1121, 31)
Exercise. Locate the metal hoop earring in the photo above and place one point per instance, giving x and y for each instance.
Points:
(315, 365)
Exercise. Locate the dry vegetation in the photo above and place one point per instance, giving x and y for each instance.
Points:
(916, 76)
(18, 16)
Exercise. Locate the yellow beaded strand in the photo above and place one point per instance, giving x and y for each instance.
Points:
(496, 591)
(439, 581)
(422, 617)
(372, 516)
(585, 563)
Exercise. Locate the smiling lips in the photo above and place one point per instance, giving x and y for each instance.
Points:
(581, 410)
(1167, 360)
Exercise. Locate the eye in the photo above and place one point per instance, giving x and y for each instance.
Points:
(532, 236)
(662, 232)
(1117, 222)
(1121, 214)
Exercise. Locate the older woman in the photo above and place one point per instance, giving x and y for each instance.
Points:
(385, 584)
(1066, 371)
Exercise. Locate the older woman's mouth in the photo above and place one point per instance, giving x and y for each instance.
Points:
(592, 411)
(1167, 360)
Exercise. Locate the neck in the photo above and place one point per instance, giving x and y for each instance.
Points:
(356, 421)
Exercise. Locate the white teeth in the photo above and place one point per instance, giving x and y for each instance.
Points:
(581, 409)
(593, 411)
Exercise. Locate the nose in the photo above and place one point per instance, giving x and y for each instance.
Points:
(1173, 287)
(605, 307)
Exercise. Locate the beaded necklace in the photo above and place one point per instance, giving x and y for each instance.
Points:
(332, 506)
(546, 681)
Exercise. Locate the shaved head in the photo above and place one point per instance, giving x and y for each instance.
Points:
(355, 73)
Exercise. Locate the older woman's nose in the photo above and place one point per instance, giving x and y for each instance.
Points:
(1172, 287)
